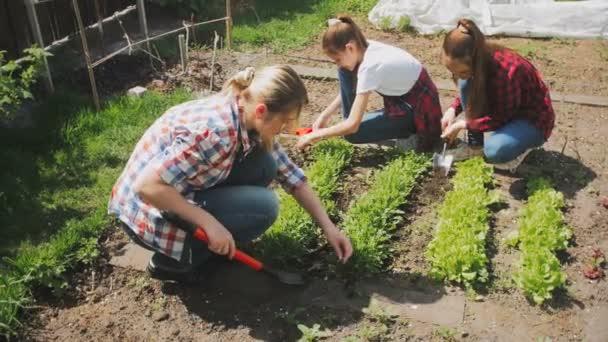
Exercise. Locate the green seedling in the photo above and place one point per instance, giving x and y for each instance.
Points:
(313, 334)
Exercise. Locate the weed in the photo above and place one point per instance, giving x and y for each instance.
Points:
(405, 24)
(376, 313)
(529, 50)
(313, 334)
(385, 24)
(374, 332)
(158, 304)
(139, 283)
(445, 333)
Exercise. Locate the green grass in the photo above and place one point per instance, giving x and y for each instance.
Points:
(294, 234)
(372, 219)
(55, 192)
(286, 25)
(542, 232)
(458, 249)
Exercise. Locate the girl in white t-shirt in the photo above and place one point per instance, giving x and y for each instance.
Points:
(411, 101)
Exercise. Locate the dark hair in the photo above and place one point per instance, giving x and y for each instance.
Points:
(468, 44)
(341, 33)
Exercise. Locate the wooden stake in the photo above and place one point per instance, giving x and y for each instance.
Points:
(35, 25)
(87, 56)
(228, 25)
(182, 51)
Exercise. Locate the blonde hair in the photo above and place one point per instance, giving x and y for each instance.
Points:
(279, 87)
(341, 31)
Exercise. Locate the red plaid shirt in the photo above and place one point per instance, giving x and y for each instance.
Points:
(192, 147)
(515, 91)
(423, 99)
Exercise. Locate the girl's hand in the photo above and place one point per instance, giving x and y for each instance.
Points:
(341, 244)
(451, 131)
(306, 140)
(320, 122)
(220, 240)
(448, 118)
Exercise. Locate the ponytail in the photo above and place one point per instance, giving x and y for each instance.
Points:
(468, 44)
(279, 87)
(341, 31)
(239, 82)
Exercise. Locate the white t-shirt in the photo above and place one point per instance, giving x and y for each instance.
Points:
(387, 69)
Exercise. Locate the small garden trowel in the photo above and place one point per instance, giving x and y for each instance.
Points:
(443, 162)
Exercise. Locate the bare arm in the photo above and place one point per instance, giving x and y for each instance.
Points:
(348, 126)
(311, 203)
(153, 190)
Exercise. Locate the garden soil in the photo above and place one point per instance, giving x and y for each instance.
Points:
(232, 303)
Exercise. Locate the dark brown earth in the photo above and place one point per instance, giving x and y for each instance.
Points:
(235, 304)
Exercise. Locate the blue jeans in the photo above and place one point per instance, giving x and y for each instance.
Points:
(508, 141)
(242, 203)
(375, 126)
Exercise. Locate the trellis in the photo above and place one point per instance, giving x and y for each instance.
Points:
(143, 25)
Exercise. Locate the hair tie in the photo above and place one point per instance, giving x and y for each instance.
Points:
(333, 21)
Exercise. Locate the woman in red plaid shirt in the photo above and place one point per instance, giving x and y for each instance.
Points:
(500, 91)
(208, 162)
(411, 102)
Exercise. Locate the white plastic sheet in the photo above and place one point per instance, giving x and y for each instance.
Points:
(529, 18)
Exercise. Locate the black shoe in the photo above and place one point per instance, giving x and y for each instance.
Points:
(162, 267)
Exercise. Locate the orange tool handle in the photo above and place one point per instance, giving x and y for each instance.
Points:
(303, 131)
(200, 234)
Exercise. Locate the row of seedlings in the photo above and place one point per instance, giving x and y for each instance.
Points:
(542, 232)
(294, 234)
(458, 249)
(371, 221)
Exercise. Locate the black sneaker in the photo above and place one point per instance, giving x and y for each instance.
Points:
(162, 267)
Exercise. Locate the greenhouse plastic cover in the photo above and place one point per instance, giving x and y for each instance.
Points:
(528, 18)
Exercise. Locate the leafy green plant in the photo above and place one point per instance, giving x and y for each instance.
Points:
(372, 219)
(294, 233)
(385, 24)
(457, 251)
(313, 334)
(14, 296)
(405, 24)
(542, 232)
(17, 79)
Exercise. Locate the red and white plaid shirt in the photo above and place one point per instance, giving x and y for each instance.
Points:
(515, 90)
(192, 147)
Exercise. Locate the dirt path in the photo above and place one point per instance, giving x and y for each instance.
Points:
(237, 304)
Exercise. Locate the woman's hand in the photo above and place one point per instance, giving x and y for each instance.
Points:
(341, 244)
(307, 140)
(220, 240)
(320, 122)
(448, 118)
(451, 131)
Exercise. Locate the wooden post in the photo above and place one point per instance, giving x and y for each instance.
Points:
(182, 51)
(228, 25)
(35, 25)
(100, 25)
(87, 56)
(143, 21)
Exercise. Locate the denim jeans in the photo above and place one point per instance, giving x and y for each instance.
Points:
(375, 126)
(242, 203)
(508, 141)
